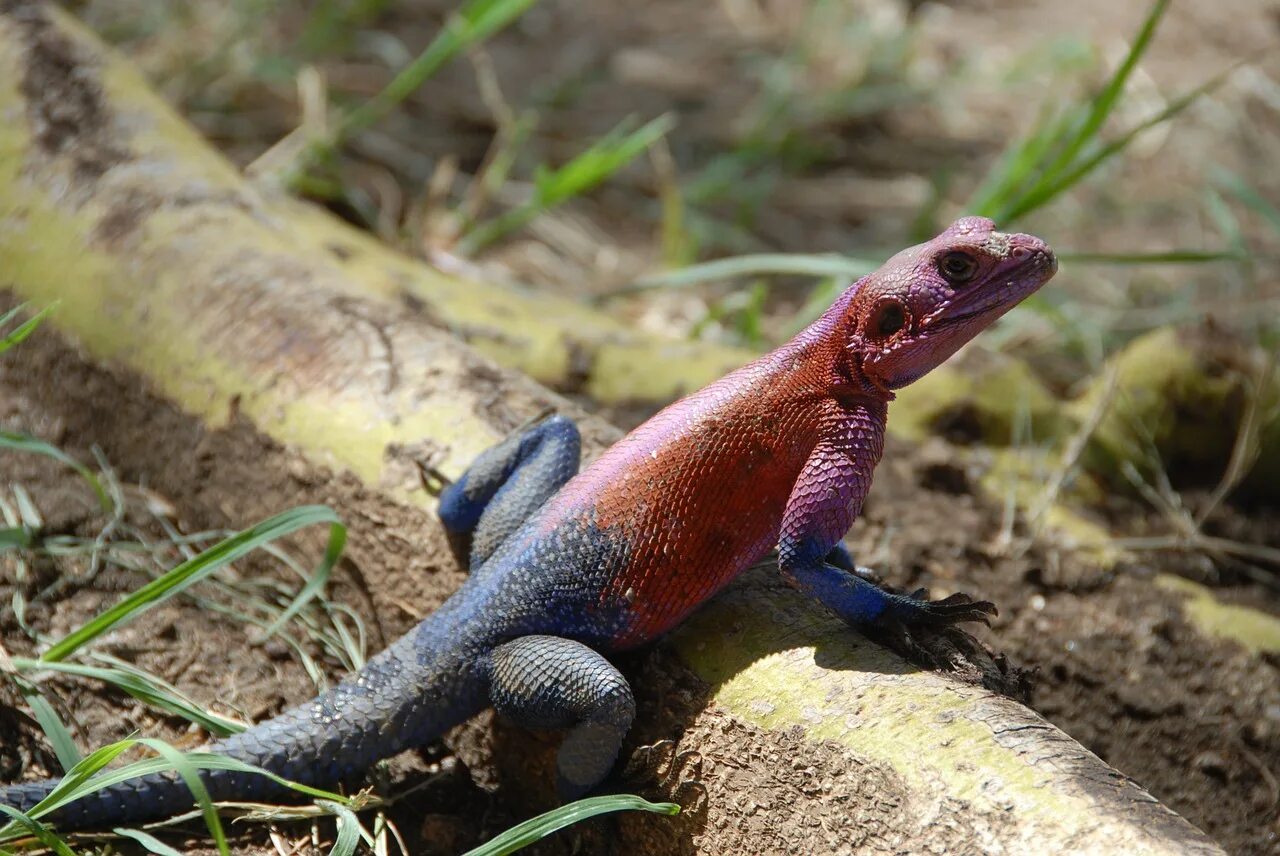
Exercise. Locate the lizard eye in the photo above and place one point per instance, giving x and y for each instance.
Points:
(957, 267)
(888, 318)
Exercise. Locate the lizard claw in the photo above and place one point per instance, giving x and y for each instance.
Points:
(959, 607)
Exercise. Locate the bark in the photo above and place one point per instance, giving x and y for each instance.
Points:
(302, 361)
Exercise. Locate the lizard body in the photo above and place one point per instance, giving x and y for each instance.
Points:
(568, 568)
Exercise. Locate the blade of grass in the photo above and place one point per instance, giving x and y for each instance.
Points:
(188, 771)
(760, 264)
(148, 841)
(601, 160)
(194, 570)
(537, 828)
(332, 553)
(143, 687)
(1164, 257)
(64, 745)
(23, 443)
(1060, 153)
(1046, 189)
(37, 829)
(1105, 101)
(474, 22)
(23, 330)
(200, 760)
(74, 779)
(1016, 166)
(88, 777)
(1241, 190)
(348, 829)
(16, 537)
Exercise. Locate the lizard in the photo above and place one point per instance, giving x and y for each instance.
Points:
(568, 567)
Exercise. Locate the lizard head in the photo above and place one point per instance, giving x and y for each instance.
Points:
(930, 299)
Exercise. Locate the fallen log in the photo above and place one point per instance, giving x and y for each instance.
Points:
(286, 352)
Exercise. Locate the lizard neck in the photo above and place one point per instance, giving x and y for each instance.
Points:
(834, 357)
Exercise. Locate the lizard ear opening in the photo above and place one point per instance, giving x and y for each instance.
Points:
(887, 319)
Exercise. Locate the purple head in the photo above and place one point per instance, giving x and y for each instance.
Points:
(928, 300)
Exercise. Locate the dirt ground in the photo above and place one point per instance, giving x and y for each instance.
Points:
(1114, 663)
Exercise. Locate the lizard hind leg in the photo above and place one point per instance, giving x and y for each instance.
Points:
(553, 682)
(509, 482)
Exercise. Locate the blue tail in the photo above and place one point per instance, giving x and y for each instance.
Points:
(408, 695)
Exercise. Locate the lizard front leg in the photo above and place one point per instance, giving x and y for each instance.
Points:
(826, 499)
(843, 559)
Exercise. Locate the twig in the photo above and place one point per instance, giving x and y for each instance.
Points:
(1246, 448)
(1067, 465)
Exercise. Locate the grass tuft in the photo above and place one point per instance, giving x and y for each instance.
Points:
(1065, 146)
(15, 442)
(90, 776)
(23, 330)
(551, 187)
(195, 569)
(473, 23)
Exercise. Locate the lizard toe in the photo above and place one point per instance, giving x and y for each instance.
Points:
(955, 609)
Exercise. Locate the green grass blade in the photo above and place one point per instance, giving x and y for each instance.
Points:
(1015, 168)
(1250, 197)
(348, 829)
(199, 567)
(608, 155)
(72, 782)
(199, 760)
(534, 829)
(552, 187)
(319, 578)
(142, 687)
(16, 537)
(1105, 101)
(1047, 189)
(87, 778)
(15, 442)
(761, 264)
(64, 745)
(1182, 257)
(148, 841)
(23, 330)
(191, 776)
(36, 829)
(1058, 155)
(473, 23)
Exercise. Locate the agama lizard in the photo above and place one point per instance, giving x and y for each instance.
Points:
(567, 569)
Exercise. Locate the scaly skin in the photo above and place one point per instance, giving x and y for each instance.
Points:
(567, 569)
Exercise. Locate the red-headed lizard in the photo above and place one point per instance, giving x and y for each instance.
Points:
(568, 568)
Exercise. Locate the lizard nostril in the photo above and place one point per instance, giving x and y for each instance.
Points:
(1021, 253)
